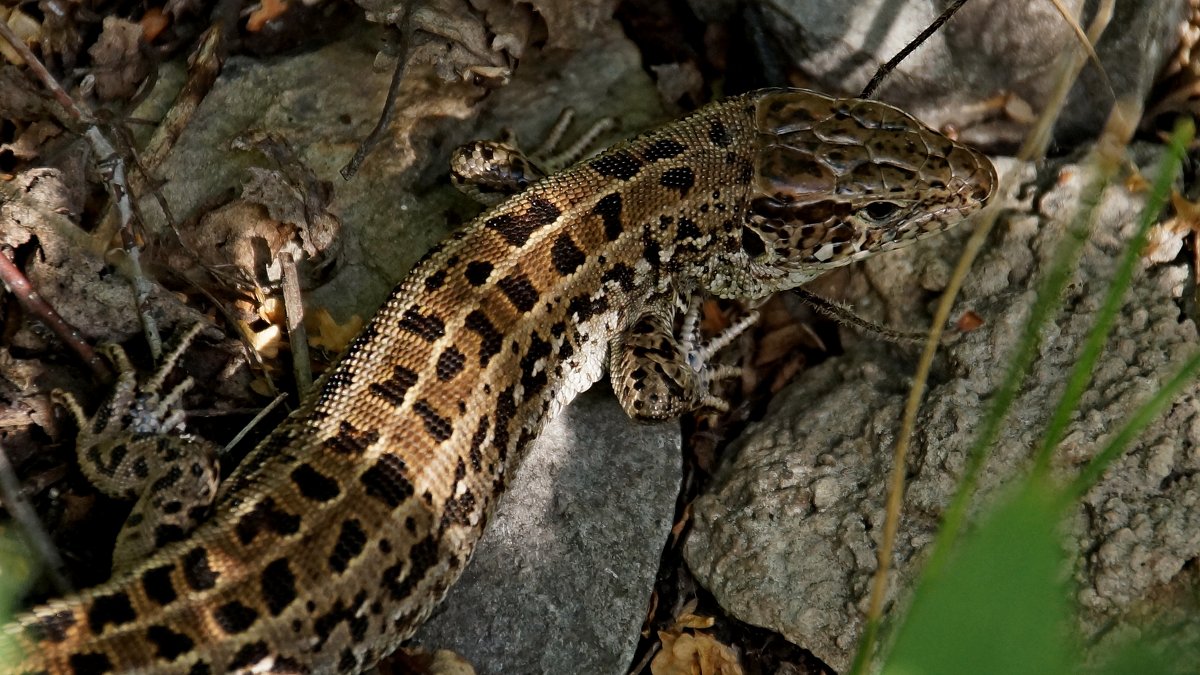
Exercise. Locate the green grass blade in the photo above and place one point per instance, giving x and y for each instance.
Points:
(1081, 374)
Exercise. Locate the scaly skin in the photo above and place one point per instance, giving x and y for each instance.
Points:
(342, 531)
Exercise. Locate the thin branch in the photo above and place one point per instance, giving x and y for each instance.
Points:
(389, 106)
(884, 70)
(33, 304)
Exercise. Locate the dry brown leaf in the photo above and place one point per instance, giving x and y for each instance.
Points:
(690, 620)
(265, 342)
(24, 27)
(1165, 240)
(154, 22)
(968, 322)
(267, 10)
(118, 64)
(325, 332)
(699, 654)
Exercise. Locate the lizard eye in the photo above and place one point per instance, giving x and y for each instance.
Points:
(880, 210)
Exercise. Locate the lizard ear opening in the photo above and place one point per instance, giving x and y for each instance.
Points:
(752, 242)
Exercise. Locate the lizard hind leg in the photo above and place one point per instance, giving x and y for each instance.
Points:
(491, 171)
(133, 448)
(659, 374)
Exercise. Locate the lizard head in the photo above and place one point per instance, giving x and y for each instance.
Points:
(839, 179)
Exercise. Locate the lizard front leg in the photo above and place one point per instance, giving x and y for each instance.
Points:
(658, 373)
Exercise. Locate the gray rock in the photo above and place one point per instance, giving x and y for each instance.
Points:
(561, 581)
(989, 48)
(787, 536)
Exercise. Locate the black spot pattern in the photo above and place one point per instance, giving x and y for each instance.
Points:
(115, 609)
(89, 663)
(439, 427)
(428, 326)
(422, 556)
(436, 280)
(506, 409)
(475, 453)
(609, 210)
(168, 643)
(619, 164)
(718, 134)
(478, 271)
(234, 617)
(395, 387)
(681, 178)
(622, 274)
(519, 290)
(585, 307)
(156, 583)
(250, 654)
(350, 441)
(349, 545)
(265, 515)
(688, 229)
(313, 484)
(450, 364)
(278, 584)
(168, 533)
(663, 148)
(565, 254)
(516, 228)
(490, 339)
(164, 483)
(387, 482)
(199, 575)
(532, 382)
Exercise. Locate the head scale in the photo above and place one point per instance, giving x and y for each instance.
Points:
(837, 180)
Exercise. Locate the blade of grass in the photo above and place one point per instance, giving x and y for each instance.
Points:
(1139, 420)
(1034, 146)
(1108, 155)
(1081, 373)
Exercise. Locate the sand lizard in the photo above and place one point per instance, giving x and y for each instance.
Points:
(339, 534)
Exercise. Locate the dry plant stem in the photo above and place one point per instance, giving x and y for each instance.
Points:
(293, 309)
(888, 67)
(111, 166)
(203, 67)
(844, 315)
(258, 417)
(26, 519)
(31, 301)
(389, 105)
(1035, 145)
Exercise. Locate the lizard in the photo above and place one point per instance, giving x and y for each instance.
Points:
(336, 537)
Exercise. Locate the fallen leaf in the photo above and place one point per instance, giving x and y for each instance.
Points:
(326, 333)
(699, 654)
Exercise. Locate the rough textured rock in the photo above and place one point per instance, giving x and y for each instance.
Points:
(561, 580)
(787, 536)
(990, 47)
